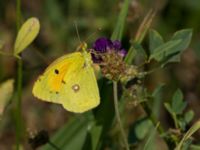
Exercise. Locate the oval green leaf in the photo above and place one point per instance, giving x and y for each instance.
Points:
(26, 34)
(6, 91)
(155, 40)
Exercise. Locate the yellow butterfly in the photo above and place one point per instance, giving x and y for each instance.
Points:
(70, 81)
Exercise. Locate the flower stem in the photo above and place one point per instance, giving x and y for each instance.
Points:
(18, 115)
(118, 115)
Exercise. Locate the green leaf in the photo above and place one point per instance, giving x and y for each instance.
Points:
(93, 137)
(142, 128)
(155, 40)
(119, 28)
(194, 147)
(171, 50)
(188, 116)
(157, 97)
(73, 134)
(188, 134)
(150, 142)
(26, 35)
(6, 91)
(181, 123)
(169, 109)
(140, 50)
(178, 95)
(178, 105)
(185, 36)
(175, 57)
(164, 50)
(172, 113)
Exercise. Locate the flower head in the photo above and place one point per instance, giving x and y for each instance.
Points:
(104, 45)
(109, 55)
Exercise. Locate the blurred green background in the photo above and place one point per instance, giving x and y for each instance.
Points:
(58, 36)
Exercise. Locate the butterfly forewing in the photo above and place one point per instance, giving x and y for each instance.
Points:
(70, 81)
(49, 84)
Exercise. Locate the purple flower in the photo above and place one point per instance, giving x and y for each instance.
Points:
(122, 53)
(103, 45)
(117, 44)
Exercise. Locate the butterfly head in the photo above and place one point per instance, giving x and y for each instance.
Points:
(82, 47)
(87, 56)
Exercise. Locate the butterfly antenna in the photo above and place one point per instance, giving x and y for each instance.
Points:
(92, 35)
(75, 23)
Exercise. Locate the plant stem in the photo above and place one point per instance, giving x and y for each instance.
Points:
(18, 116)
(118, 115)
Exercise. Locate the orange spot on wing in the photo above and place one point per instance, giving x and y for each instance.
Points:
(56, 79)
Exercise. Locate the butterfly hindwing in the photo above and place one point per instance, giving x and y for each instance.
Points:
(81, 92)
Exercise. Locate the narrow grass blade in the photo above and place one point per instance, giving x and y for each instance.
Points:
(140, 35)
(144, 26)
(72, 135)
(188, 134)
(119, 28)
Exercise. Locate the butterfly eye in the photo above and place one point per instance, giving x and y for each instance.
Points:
(76, 87)
(56, 71)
